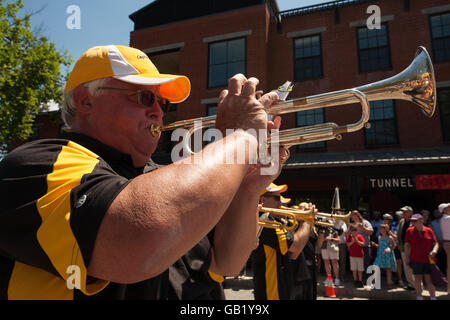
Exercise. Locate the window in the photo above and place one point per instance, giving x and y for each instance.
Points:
(226, 58)
(383, 125)
(211, 110)
(308, 58)
(373, 48)
(440, 36)
(444, 104)
(167, 62)
(307, 118)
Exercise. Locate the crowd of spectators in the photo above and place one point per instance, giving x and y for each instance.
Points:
(405, 244)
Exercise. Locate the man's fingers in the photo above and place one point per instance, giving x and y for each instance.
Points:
(277, 122)
(269, 99)
(235, 84)
(284, 154)
(249, 87)
(258, 94)
(223, 94)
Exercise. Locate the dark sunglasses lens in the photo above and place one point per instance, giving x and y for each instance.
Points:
(147, 98)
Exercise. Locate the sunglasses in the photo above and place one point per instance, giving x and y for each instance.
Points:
(145, 97)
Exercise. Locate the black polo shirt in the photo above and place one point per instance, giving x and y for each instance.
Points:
(54, 194)
(190, 278)
(272, 268)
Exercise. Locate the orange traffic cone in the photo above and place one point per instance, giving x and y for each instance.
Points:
(330, 288)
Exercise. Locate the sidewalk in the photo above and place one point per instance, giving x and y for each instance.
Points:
(347, 289)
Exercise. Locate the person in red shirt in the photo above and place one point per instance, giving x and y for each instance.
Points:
(355, 243)
(420, 246)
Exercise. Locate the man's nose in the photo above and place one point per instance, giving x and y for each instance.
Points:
(155, 112)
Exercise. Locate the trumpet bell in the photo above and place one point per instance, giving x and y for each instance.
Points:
(335, 217)
(417, 84)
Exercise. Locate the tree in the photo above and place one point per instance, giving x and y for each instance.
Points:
(29, 74)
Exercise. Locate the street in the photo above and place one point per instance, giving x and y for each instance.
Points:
(247, 294)
(242, 289)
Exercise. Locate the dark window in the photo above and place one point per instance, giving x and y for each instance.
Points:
(308, 58)
(308, 118)
(440, 36)
(373, 49)
(383, 125)
(211, 110)
(444, 104)
(226, 58)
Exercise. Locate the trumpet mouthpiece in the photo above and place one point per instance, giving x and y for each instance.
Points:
(155, 129)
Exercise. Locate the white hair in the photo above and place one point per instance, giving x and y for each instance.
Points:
(69, 107)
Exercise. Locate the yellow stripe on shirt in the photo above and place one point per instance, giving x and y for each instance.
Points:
(55, 235)
(282, 241)
(271, 273)
(31, 283)
(216, 277)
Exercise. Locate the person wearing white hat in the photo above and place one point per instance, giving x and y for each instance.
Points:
(444, 209)
(81, 219)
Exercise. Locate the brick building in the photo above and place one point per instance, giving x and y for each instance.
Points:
(404, 158)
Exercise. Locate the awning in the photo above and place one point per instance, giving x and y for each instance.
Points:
(369, 158)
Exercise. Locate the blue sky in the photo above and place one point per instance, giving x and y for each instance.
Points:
(102, 21)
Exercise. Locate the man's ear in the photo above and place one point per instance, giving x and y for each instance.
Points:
(82, 99)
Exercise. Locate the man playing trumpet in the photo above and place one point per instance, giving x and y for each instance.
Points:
(272, 261)
(80, 207)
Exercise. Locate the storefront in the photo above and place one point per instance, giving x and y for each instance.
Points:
(369, 180)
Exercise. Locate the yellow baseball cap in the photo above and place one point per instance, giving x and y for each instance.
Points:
(274, 188)
(284, 200)
(130, 65)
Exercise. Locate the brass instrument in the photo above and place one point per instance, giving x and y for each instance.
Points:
(416, 84)
(297, 215)
(273, 224)
(335, 217)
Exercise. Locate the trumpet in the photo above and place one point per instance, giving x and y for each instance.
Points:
(274, 224)
(296, 215)
(335, 217)
(417, 84)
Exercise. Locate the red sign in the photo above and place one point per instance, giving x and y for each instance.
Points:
(433, 182)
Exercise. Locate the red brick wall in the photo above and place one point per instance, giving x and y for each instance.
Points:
(270, 58)
(407, 31)
(194, 54)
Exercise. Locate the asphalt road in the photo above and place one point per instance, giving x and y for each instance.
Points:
(247, 294)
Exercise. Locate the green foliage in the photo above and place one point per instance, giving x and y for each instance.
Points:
(29, 74)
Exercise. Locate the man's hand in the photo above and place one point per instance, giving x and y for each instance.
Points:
(239, 108)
